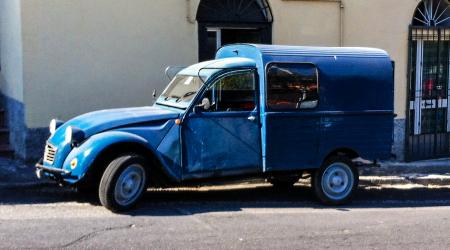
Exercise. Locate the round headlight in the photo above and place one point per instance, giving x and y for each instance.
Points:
(68, 135)
(74, 136)
(54, 125)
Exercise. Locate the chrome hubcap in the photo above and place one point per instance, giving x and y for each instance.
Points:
(129, 185)
(337, 181)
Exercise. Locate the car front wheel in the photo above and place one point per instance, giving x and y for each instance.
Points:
(336, 181)
(123, 182)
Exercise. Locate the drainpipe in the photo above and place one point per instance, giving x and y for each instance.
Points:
(188, 12)
(341, 16)
(341, 23)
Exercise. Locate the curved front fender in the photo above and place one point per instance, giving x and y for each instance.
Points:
(91, 148)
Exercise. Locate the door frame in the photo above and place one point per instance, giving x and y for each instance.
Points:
(265, 29)
(420, 146)
(302, 113)
(218, 31)
(190, 113)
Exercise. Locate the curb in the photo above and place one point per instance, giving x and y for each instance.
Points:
(424, 180)
(390, 168)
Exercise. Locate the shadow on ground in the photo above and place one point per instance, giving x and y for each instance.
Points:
(163, 202)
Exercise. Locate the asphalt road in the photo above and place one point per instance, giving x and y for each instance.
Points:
(238, 217)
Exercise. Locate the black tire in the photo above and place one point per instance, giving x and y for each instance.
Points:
(284, 182)
(339, 190)
(132, 173)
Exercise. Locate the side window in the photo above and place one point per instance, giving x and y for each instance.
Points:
(233, 92)
(292, 86)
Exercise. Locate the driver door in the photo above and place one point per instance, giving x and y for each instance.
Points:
(221, 136)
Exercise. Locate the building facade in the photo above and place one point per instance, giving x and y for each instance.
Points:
(64, 58)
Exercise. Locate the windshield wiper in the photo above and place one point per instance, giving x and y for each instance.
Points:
(189, 94)
(173, 97)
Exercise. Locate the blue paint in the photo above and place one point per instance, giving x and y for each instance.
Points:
(354, 112)
(215, 143)
(88, 151)
(356, 89)
(100, 121)
(169, 152)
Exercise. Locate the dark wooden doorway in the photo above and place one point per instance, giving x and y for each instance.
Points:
(233, 21)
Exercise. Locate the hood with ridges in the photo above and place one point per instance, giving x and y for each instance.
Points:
(99, 121)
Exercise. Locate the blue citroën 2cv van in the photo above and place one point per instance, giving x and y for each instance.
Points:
(264, 111)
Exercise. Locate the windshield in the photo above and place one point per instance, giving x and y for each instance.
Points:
(181, 91)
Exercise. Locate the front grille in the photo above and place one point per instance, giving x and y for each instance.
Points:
(50, 153)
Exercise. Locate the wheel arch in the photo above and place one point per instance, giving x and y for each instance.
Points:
(344, 151)
(106, 147)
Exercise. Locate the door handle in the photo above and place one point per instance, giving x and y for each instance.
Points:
(252, 118)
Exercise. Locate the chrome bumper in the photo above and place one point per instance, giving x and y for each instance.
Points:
(40, 169)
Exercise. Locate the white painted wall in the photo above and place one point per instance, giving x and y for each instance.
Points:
(313, 23)
(83, 55)
(11, 81)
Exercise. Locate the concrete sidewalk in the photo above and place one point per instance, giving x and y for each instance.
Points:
(424, 173)
(437, 166)
(15, 173)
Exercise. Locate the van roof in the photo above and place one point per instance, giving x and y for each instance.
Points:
(349, 78)
(287, 50)
(214, 65)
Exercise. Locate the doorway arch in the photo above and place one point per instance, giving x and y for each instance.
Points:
(233, 21)
(428, 113)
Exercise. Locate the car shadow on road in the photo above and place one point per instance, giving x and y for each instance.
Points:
(186, 201)
(156, 202)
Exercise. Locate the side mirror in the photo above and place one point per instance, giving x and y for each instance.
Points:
(204, 106)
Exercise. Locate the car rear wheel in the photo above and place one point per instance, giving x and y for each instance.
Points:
(123, 182)
(336, 181)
